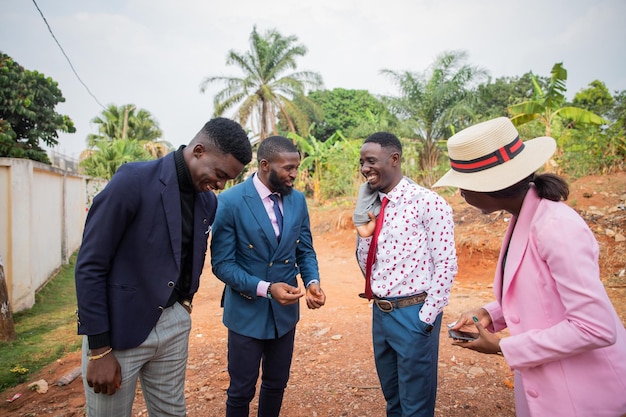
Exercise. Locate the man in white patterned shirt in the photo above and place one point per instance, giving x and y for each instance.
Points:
(411, 270)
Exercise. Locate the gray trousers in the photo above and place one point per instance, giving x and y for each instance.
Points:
(159, 362)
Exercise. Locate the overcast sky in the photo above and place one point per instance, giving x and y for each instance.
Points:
(155, 53)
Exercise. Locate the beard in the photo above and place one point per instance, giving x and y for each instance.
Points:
(277, 186)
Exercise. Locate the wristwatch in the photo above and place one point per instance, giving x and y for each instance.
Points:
(269, 293)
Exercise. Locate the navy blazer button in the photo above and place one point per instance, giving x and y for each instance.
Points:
(286, 261)
(271, 263)
(161, 308)
(250, 246)
(204, 221)
(170, 284)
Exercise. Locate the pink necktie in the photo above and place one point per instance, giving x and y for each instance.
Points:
(278, 214)
(371, 253)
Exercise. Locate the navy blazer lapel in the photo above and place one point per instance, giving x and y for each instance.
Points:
(170, 197)
(253, 200)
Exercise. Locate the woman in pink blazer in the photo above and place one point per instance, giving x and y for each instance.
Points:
(567, 344)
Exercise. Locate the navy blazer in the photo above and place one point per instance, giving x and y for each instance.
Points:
(129, 260)
(245, 250)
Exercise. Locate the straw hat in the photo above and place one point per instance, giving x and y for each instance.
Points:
(490, 156)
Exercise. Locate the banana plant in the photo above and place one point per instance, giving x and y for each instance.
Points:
(315, 153)
(549, 105)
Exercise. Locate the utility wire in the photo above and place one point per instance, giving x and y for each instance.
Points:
(66, 57)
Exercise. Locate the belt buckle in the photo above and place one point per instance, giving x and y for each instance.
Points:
(385, 306)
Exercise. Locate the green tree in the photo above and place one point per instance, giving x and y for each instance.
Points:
(617, 129)
(596, 98)
(267, 88)
(126, 122)
(494, 98)
(315, 155)
(434, 101)
(379, 122)
(618, 112)
(549, 108)
(109, 155)
(344, 110)
(27, 115)
(591, 148)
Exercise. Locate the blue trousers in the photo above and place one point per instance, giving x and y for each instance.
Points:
(244, 356)
(406, 360)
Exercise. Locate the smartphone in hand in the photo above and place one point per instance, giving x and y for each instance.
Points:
(466, 336)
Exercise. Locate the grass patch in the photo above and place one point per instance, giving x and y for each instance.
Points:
(45, 333)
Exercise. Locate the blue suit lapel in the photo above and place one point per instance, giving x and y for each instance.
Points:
(253, 201)
(290, 214)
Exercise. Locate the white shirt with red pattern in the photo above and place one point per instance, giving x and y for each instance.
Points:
(416, 251)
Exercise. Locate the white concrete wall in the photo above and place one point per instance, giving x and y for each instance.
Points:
(42, 215)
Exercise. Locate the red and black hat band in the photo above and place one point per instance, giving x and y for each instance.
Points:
(498, 157)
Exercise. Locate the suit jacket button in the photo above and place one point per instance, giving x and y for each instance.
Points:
(161, 308)
(204, 221)
(271, 263)
(250, 246)
(170, 284)
(286, 261)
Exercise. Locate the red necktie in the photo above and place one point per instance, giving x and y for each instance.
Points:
(371, 253)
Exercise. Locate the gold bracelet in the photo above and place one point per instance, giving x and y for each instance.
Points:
(100, 356)
(187, 304)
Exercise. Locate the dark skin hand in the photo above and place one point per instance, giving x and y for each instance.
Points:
(285, 294)
(487, 342)
(315, 297)
(104, 375)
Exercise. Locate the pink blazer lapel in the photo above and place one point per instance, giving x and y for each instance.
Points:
(498, 279)
(519, 234)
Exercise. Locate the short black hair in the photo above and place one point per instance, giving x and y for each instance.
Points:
(385, 140)
(274, 145)
(229, 138)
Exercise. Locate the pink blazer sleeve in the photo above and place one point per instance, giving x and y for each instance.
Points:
(561, 308)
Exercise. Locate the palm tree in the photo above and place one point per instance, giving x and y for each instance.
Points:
(108, 125)
(549, 106)
(126, 122)
(266, 89)
(434, 101)
(108, 156)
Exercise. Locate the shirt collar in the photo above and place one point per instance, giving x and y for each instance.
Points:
(396, 192)
(261, 188)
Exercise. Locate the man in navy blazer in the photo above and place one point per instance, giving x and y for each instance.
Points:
(139, 266)
(261, 242)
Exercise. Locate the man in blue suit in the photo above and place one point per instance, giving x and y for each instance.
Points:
(261, 242)
(139, 266)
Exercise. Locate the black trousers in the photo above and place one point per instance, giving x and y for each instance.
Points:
(245, 354)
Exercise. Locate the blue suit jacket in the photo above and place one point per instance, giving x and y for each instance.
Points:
(245, 250)
(130, 256)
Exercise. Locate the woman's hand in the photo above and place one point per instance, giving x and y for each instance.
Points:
(487, 342)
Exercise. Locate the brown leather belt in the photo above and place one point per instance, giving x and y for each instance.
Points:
(387, 306)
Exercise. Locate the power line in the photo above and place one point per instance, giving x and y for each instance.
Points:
(66, 57)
